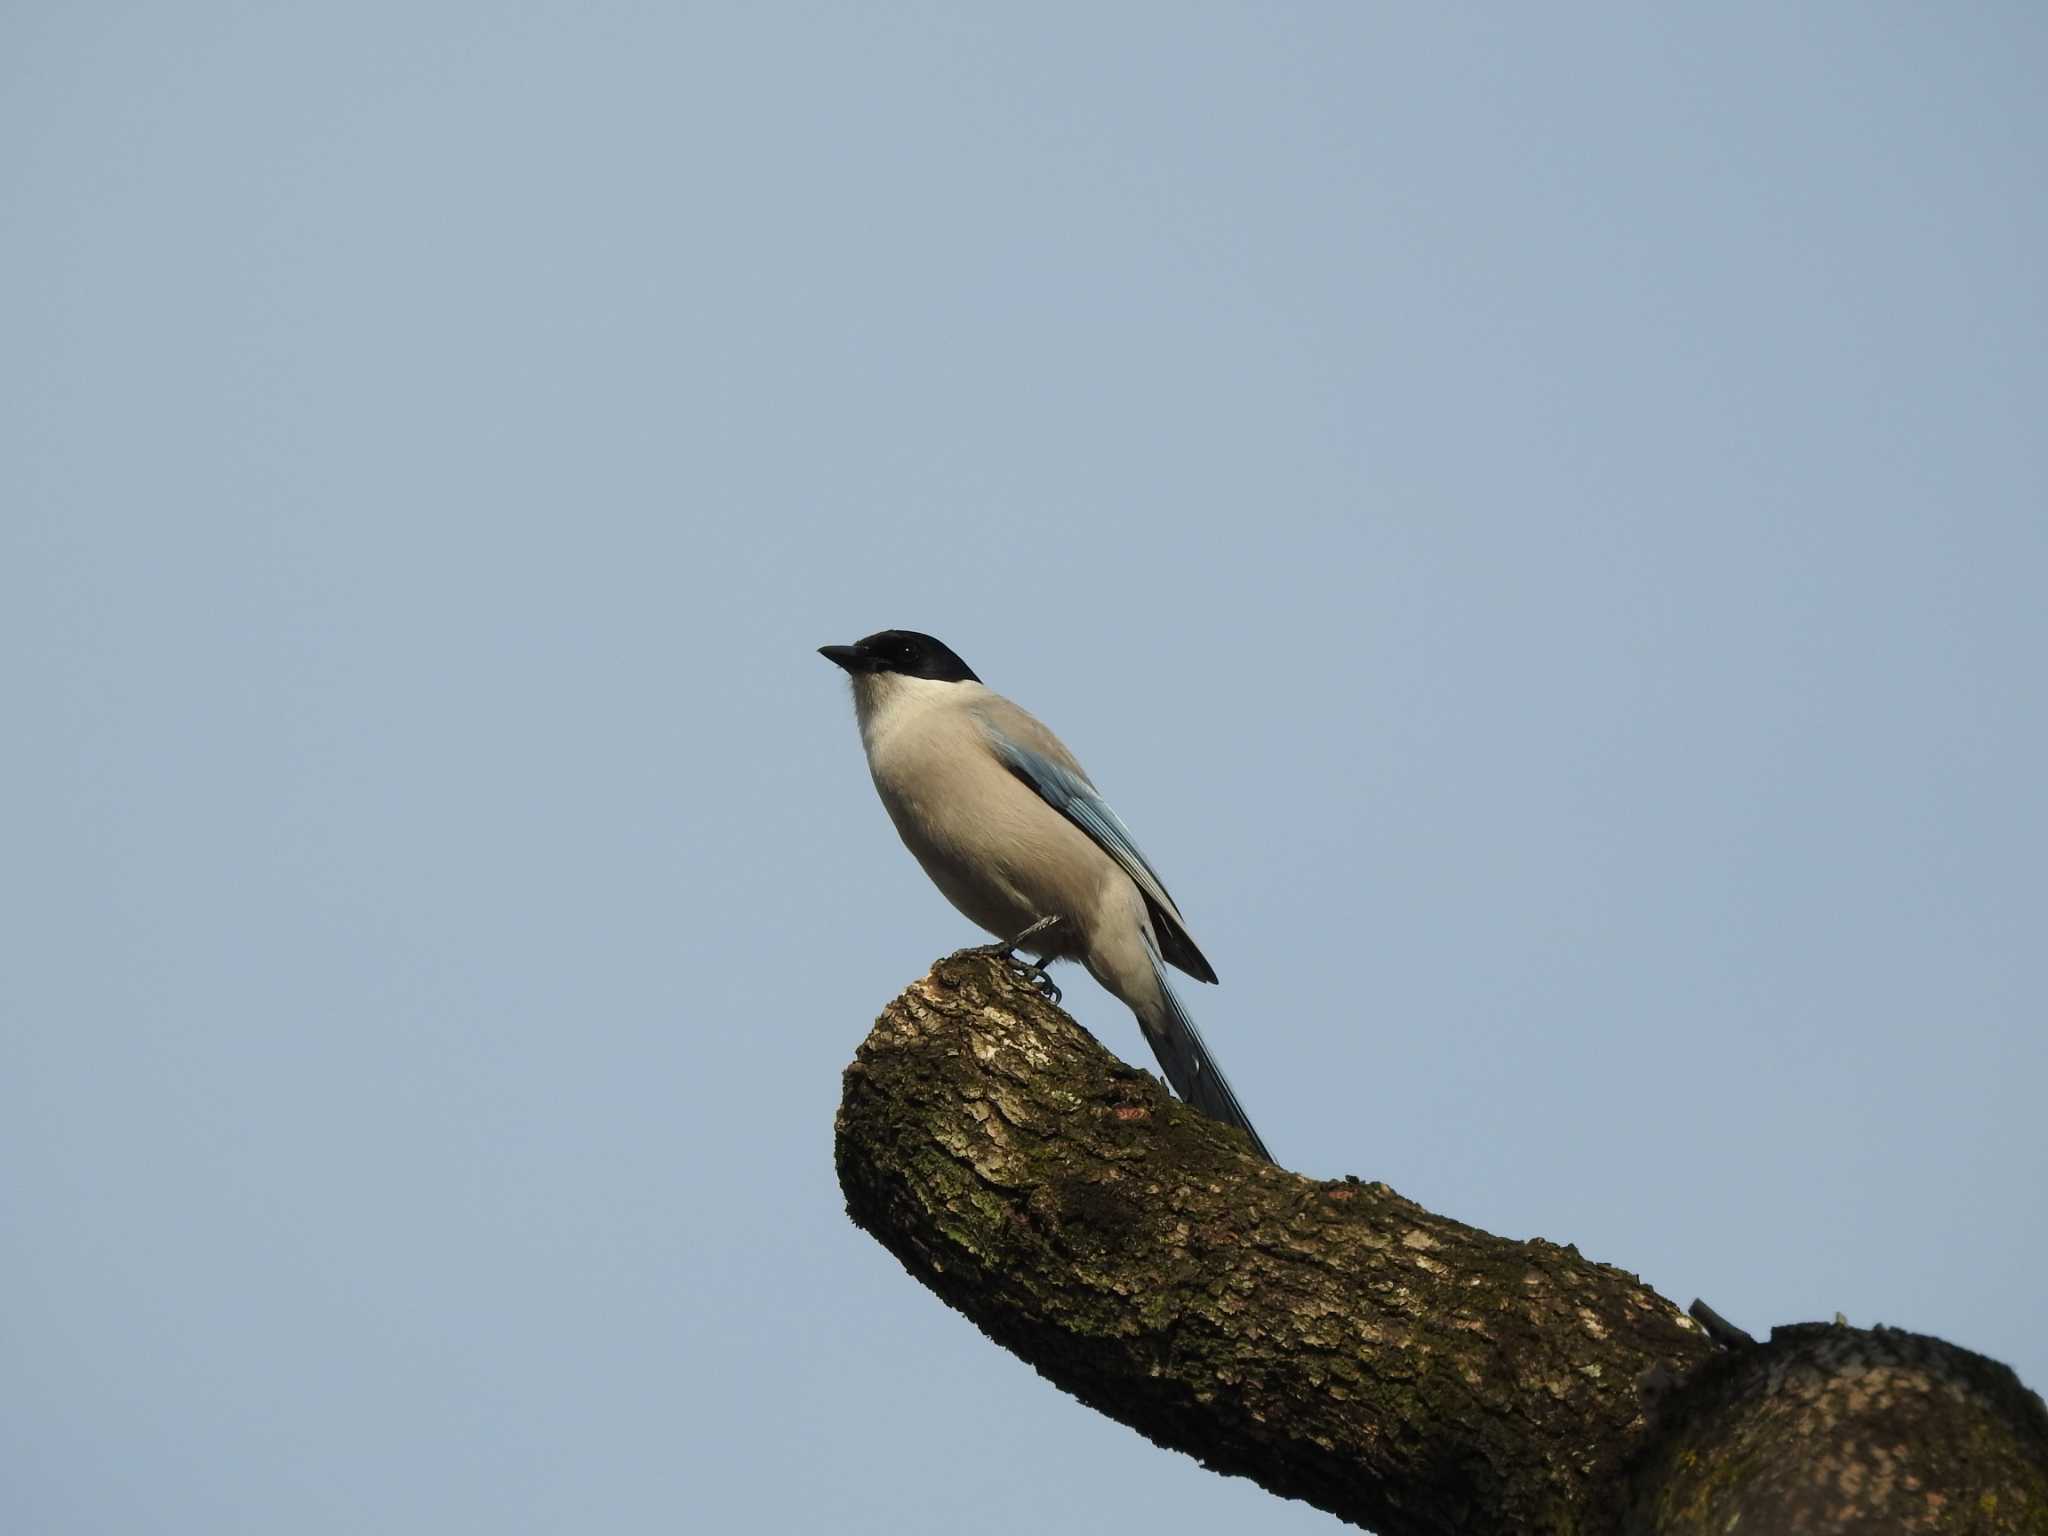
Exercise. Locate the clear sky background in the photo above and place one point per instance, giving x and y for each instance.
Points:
(1538, 517)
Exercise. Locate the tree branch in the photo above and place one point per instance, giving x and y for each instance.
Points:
(1332, 1340)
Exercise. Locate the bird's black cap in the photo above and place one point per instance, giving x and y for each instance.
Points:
(902, 651)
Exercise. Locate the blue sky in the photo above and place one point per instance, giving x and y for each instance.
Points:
(1537, 518)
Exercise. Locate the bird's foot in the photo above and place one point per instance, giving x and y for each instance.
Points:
(1033, 972)
(1037, 978)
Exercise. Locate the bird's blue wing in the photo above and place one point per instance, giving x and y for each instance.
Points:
(1075, 798)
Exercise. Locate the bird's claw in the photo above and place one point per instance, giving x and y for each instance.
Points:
(1032, 972)
(1036, 977)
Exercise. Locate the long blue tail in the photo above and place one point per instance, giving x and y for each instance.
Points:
(1191, 1069)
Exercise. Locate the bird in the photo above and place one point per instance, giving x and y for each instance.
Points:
(1014, 834)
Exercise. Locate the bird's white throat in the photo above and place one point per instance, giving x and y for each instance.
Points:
(884, 701)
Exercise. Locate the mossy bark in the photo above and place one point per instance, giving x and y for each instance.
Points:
(1338, 1343)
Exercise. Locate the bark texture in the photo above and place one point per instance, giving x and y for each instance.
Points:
(1830, 1428)
(1338, 1343)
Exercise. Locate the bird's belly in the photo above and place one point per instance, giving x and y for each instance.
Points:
(990, 905)
(1006, 863)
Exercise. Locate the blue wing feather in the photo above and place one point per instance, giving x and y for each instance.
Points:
(1075, 798)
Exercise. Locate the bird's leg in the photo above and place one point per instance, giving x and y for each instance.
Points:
(1032, 971)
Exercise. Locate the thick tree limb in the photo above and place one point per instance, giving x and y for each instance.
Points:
(1337, 1343)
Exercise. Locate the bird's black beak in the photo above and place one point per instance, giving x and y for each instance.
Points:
(844, 656)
